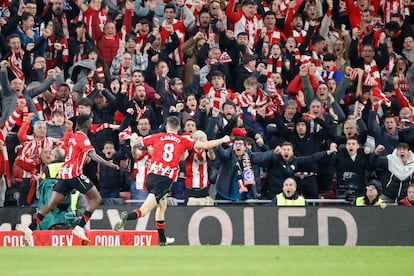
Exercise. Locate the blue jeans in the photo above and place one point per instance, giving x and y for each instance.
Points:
(109, 193)
(178, 188)
(138, 194)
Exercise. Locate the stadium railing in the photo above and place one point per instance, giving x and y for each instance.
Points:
(311, 202)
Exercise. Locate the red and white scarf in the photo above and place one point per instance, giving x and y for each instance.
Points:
(98, 127)
(125, 74)
(217, 96)
(390, 7)
(296, 52)
(15, 62)
(140, 111)
(403, 82)
(125, 134)
(90, 84)
(5, 128)
(373, 77)
(68, 107)
(389, 66)
(252, 103)
(354, 74)
(318, 61)
(299, 36)
(274, 36)
(274, 65)
(382, 99)
(225, 58)
(24, 113)
(100, 72)
(131, 91)
(328, 75)
(276, 96)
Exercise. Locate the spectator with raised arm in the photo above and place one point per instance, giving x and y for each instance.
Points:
(395, 171)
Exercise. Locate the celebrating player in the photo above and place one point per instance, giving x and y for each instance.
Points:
(71, 177)
(168, 149)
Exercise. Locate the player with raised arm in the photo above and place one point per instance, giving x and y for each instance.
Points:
(168, 148)
(78, 148)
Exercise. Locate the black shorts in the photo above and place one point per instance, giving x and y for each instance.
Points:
(81, 183)
(158, 185)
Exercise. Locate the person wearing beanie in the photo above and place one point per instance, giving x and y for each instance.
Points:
(371, 197)
(305, 142)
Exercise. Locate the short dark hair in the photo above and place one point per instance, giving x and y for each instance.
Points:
(353, 138)
(173, 81)
(269, 13)
(169, 6)
(57, 112)
(399, 15)
(144, 21)
(85, 102)
(286, 143)
(298, 15)
(240, 138)
(130, 36)
(242, 34)
(173, 122)
(229, 103)
(217, 73)
(109, 142)
(10, 37)
(248, 2)
(79, 24)
(402, 145)
(145, 118)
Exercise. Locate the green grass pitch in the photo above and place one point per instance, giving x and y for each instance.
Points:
(207, 260)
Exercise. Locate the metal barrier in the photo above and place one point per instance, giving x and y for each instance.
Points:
(312, 202)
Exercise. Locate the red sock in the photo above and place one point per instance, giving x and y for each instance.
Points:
(138, 212)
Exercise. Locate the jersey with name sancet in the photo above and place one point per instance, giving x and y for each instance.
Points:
(77, 152)
(168, 148)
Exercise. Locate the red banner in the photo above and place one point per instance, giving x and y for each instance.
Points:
(97, 238)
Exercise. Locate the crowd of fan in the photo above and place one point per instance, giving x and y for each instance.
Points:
(317, 90)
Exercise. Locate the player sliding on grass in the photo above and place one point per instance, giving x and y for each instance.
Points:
(168, 149)
(78, 147)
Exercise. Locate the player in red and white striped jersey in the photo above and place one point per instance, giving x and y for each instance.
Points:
(196, 171)
(78, 148)
(167, 150)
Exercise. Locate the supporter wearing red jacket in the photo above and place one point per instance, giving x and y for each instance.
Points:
(109, 43)
(409, 200)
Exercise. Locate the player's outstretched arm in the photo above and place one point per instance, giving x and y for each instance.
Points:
(211, 144)
(92, 154)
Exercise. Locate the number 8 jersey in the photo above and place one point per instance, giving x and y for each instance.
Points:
(168, 148)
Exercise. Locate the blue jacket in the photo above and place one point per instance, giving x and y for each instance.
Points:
(228, 160)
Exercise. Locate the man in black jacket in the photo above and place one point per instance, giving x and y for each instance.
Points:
(285, 164)
(351, 167)
(305, 143)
